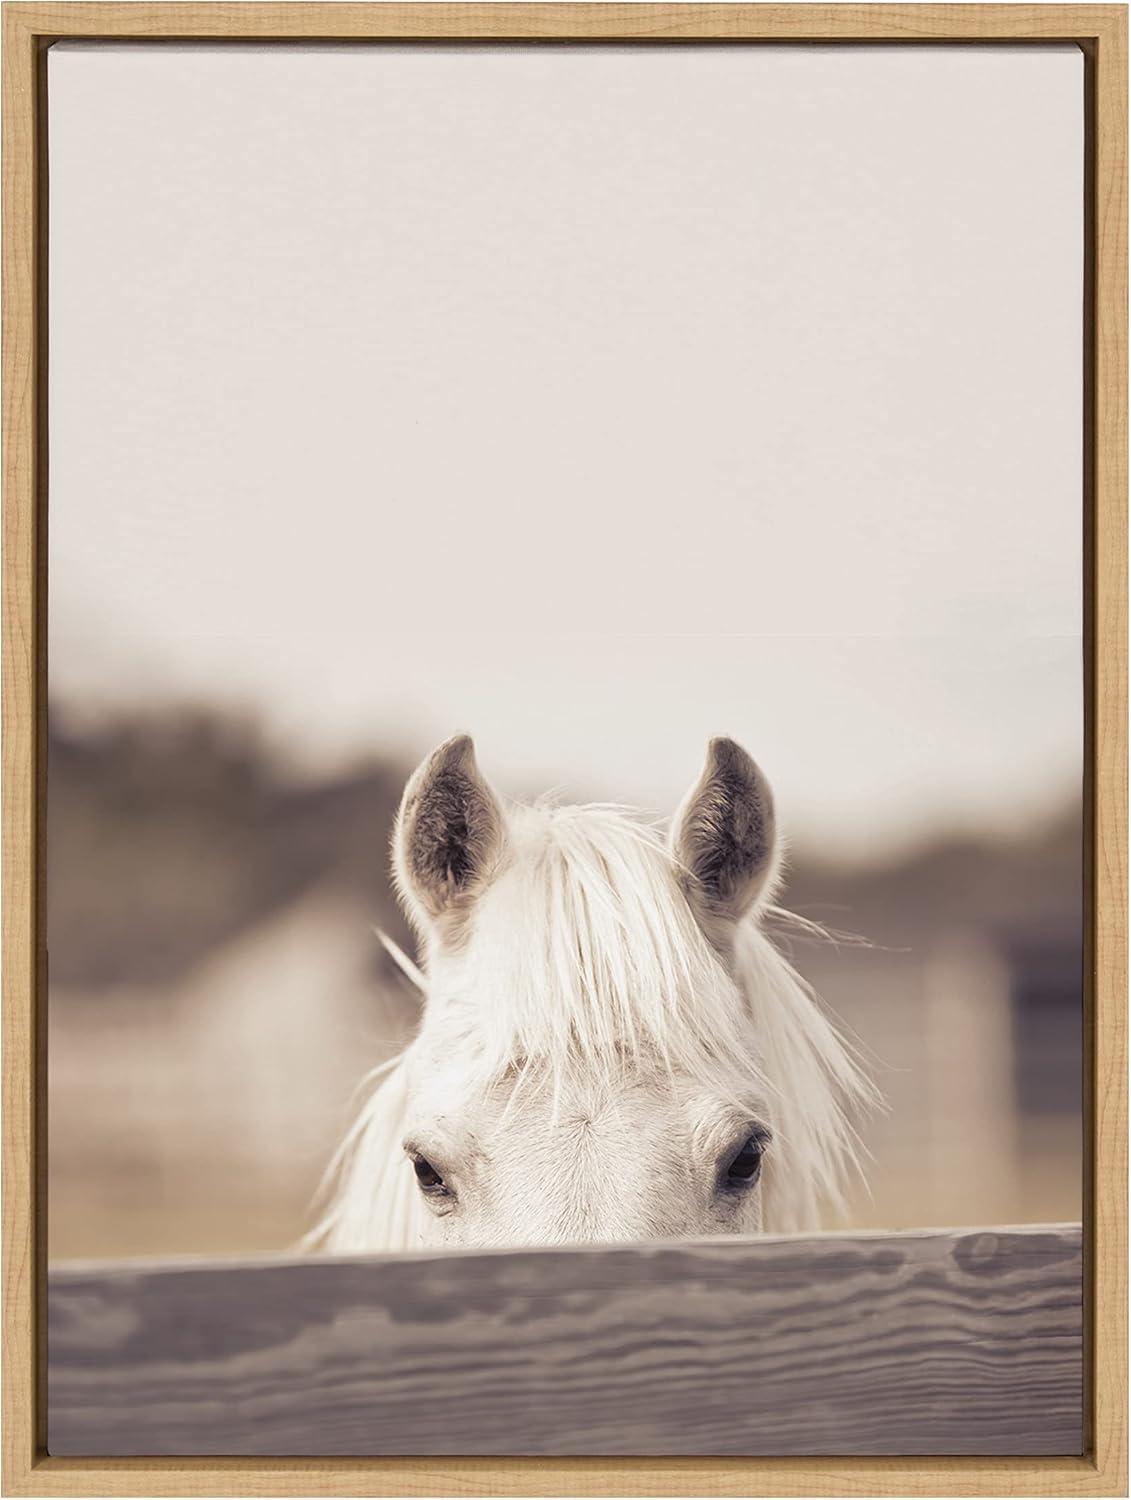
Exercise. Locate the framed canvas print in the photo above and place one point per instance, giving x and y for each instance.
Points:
(565, 822)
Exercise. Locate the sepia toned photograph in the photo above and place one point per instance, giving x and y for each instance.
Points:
(565, 749)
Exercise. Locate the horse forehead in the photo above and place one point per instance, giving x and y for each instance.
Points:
(594, 1149)
(588, 1114)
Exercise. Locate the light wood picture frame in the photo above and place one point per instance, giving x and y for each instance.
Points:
(30, 29)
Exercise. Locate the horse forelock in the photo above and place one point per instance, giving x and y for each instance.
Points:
(584, 958)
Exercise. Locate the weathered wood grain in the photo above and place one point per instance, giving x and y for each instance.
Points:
(937, 1343)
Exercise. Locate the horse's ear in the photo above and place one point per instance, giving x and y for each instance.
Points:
(449, 832)
(723, 836)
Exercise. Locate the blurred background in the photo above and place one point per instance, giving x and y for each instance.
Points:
(217, 992)
(719, 407)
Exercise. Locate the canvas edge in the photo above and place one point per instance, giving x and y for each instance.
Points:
(1108, 1039)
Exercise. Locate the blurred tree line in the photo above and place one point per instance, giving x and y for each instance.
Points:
(169, 835)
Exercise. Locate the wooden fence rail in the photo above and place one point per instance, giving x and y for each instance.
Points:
(925, 1343)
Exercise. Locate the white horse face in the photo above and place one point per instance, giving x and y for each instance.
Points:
(568, 1082)
(653, 1157)
(610, 1048)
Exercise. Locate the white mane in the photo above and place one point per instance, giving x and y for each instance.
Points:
(593, 959)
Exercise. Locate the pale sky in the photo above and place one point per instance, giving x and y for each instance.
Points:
(591, 400)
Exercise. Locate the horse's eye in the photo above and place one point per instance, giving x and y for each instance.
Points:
(746, 1165)
(427, 1175)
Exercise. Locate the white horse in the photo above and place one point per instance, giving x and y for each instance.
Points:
(610, 1046)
